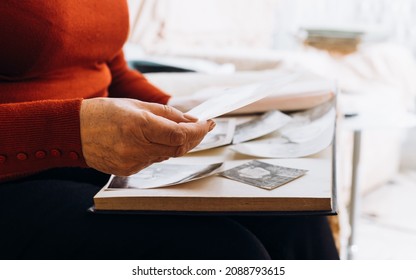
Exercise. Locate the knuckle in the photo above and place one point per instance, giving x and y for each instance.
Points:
(145, 118)
(177, 137)
(168, 109)
(180, 151)
(146, 115)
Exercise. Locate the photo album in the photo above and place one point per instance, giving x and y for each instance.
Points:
(270, 161)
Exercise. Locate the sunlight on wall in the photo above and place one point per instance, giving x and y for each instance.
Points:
(383, 19)
(265, 23)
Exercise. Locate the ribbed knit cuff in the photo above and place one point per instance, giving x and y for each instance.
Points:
(36, 136)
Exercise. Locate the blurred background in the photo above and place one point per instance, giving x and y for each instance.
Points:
(367, 46)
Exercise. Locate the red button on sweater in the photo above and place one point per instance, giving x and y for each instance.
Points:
(52, 55)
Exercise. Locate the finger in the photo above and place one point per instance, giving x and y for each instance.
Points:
(166, 132)
(190, 117)
(197, 131)
(169, 112)
(192, 143)
(154, 152)
(212, 124)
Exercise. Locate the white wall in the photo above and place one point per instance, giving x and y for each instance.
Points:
(267, 23)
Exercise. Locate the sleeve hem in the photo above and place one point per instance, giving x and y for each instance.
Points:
(40, 135)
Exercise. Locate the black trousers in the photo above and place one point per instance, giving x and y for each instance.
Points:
(45, 217)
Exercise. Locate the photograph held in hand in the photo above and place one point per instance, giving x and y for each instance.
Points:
(234, 98)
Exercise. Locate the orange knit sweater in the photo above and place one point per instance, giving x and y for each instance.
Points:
(52, 55)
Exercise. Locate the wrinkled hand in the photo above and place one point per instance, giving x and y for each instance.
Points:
(123, 136)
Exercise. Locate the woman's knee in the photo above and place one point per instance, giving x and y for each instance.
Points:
(182, 237)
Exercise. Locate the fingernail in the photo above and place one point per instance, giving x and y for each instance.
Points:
(190, 117)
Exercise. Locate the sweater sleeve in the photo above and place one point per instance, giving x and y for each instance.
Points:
(36, 136)
(129, 83)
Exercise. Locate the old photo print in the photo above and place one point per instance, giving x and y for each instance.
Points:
(260, 126)
(263, 175)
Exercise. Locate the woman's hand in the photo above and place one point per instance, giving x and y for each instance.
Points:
(123, 136)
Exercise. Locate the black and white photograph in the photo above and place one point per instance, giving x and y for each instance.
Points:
(260, 126)
(160, 175)
(299, 138)
(263, 175)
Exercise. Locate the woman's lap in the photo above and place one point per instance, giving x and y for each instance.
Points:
(45, 217)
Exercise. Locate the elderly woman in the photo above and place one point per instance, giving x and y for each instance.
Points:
(72, 112)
